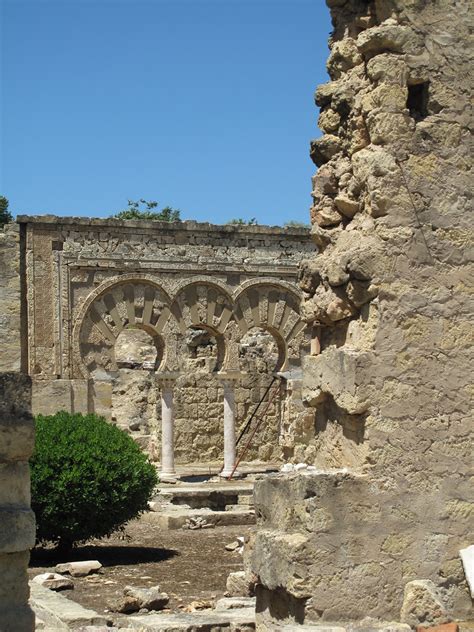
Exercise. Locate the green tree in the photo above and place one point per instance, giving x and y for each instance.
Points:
(5, 216)
(88, 478)
(142, 209)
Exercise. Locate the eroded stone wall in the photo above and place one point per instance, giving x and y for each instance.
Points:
(10, 301)
(198, 398)
(17, 522)
(389, 297)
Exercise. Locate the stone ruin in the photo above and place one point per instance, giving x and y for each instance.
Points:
(100, 310)
(375, 526)
(377, 531)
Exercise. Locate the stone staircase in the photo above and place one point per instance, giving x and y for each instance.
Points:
(208, 503)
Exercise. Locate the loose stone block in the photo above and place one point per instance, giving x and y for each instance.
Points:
(79, 569)
(53, 581)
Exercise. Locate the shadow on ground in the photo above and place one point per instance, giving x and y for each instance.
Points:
(112, 555)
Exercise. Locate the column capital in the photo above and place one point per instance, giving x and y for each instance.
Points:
(166, 378)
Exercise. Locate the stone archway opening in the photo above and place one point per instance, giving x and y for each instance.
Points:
(203, 350)
(198, 395)
(262, 353)
(138, 352)
(136, 348)
(259, 351)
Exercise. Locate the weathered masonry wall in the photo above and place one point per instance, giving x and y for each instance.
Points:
(198, 411)
(10, 302)
(17, 522)
(84, 281)
(390, 298)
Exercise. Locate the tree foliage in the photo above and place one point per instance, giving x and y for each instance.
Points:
(142, 209)
(88, 478)
(5, 215)
(243, 222)
(293, 224)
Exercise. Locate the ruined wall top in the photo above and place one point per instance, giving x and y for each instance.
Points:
(156, 226)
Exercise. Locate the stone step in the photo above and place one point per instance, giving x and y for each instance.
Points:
(232, 620)
(175, 517)
(213, 496)
(60, 613)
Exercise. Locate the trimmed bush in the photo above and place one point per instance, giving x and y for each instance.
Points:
(88, 478)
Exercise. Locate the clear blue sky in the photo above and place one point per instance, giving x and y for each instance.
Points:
(204, 105)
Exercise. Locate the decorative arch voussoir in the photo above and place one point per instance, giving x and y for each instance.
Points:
(203, 302)
(116, 303)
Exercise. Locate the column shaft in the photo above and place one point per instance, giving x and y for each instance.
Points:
(167, 432)
(229, 428)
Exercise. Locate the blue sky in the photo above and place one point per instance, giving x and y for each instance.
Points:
(204, 105)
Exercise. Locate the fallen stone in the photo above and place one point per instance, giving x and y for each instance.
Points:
(230, 603)
(176, 517)
(446, 627)
(201, 604)
(422, 604)
(198, 522)
(150, 598)
(240, 584)
(287, 467)
(126, 605)
(232, 546)
(467, 558)
(53, 581)
(79, 569)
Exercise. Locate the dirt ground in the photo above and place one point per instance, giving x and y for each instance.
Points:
(188, 565)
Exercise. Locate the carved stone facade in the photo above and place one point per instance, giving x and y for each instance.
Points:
(84, 282)
(376, 529)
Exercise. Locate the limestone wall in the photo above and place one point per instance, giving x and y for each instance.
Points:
(199, 398)
(17, 523)
(10, 302)
(199, 411)
(389, 297)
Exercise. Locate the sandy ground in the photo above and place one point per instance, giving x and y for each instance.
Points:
(188, 565)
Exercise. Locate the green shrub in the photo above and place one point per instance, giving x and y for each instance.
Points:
(88, 478)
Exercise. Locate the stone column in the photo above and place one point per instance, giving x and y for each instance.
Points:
(229, 378)
(166, 381)
(17, 521)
